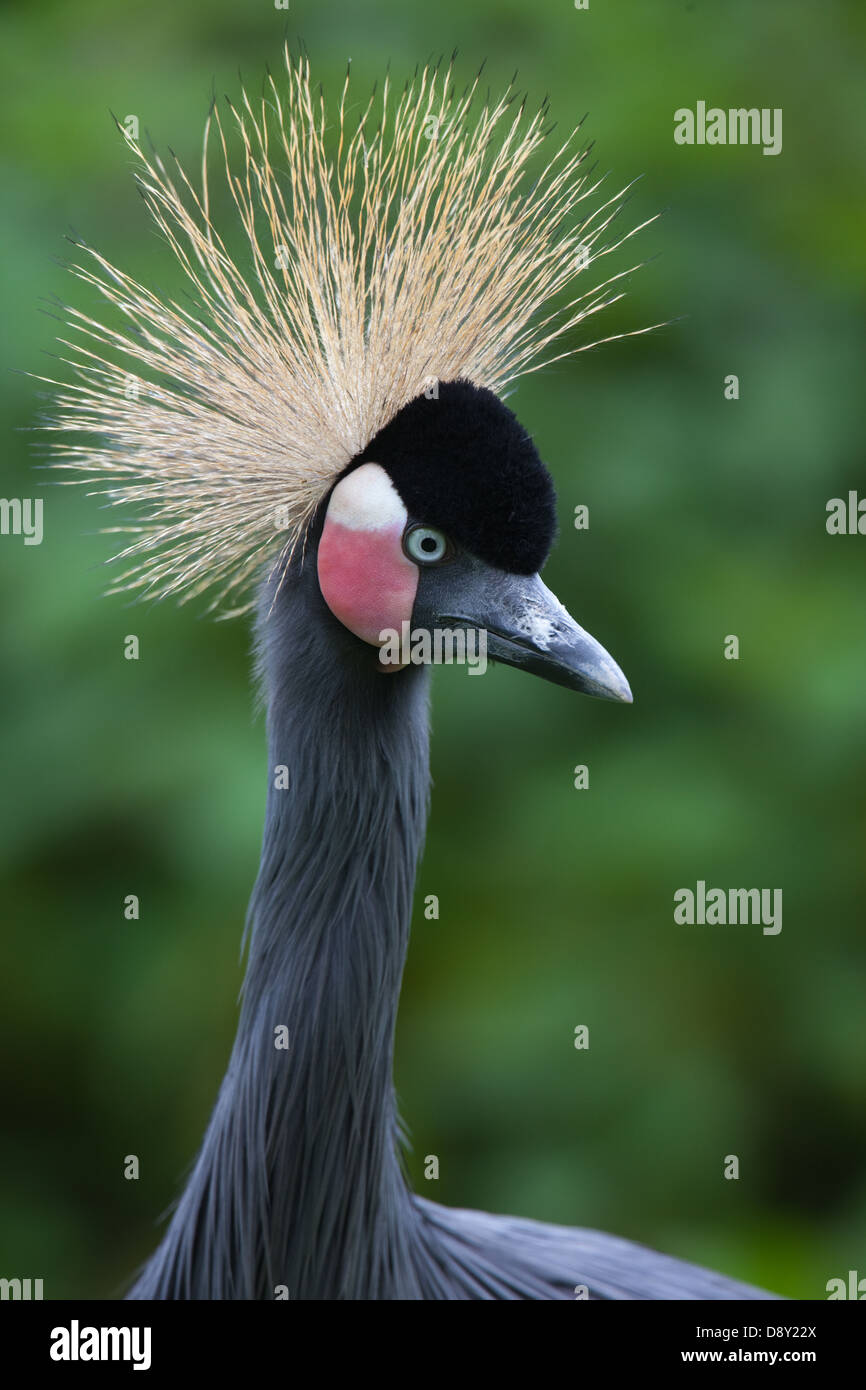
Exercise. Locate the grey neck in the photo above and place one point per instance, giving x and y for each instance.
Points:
(298, 1185)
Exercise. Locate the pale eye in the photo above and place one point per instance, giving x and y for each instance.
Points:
(425, 546)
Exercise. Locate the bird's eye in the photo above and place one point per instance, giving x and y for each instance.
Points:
(425, 546)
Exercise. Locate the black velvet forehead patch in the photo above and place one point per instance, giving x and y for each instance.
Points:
(464, 464)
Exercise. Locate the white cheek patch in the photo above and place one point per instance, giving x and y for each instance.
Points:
(366, 579)
(367, 500)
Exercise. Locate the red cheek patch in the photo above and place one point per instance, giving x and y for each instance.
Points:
(365, 578)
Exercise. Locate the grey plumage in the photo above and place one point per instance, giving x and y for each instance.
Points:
(299, 1181)
(429, 240)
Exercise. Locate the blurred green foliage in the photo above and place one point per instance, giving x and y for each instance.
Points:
(707, 518)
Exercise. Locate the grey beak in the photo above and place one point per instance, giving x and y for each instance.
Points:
(528, 627)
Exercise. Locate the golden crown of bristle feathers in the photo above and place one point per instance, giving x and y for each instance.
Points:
(416, 249)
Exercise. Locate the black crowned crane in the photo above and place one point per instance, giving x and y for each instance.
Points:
(329, 428)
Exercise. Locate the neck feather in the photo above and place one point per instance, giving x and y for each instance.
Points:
(298, 1182)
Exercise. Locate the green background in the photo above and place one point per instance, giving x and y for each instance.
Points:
(707, 518)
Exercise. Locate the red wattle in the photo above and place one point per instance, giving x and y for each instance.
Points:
(365, 578)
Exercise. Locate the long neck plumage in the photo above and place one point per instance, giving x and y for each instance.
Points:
(298, 1189)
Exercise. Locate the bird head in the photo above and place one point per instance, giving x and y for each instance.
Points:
(283, 409)
(444, 522)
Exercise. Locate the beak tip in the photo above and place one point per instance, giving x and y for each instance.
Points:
(624, 694)
(620, 694)
(610, 682)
